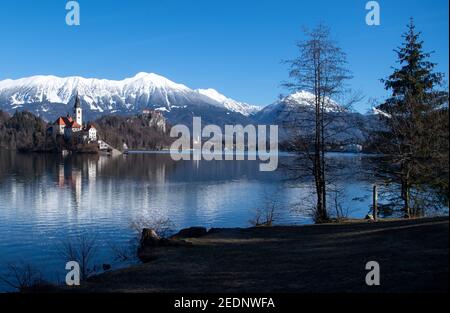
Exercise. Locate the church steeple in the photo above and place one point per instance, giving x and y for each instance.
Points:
(77, 102)
(78, 110)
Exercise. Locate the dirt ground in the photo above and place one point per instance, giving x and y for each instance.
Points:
(413, 257)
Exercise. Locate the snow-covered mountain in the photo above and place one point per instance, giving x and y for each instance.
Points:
(299, 103)
(294, 114)
(50, 96)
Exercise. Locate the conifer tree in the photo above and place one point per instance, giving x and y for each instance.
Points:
(412, 139)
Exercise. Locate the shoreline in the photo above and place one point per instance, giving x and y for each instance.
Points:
(413, 255)
(283, 153)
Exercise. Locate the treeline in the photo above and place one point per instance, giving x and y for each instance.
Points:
(27, 132)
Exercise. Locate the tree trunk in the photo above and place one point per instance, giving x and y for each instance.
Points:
(322, 154)
(407, 204)
(319, 209)
(406, 199)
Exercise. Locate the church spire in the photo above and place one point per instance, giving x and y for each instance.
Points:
(78, 111)
(77, 102)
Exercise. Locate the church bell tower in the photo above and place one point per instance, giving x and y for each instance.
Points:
(78, 111)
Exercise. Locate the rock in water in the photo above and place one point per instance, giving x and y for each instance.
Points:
(150, 241)
(149, 237)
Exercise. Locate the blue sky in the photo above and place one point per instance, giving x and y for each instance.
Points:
(234, 46)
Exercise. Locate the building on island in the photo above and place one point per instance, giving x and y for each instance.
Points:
(72, 127)
(91, 133)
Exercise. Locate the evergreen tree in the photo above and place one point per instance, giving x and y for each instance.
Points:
(413, 141)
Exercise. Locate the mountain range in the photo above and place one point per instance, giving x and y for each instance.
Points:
(47, 96)
(51, 96)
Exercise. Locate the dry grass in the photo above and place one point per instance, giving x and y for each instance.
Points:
(413, 255)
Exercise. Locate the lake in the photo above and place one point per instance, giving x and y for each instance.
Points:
(46, 199)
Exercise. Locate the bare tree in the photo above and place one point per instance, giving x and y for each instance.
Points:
(265, 215)
(321, 70)
(125, 252)
(164, 227)
(21, 276)
(337, 195)
(82, 250)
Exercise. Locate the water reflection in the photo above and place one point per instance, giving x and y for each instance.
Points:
(93, 188)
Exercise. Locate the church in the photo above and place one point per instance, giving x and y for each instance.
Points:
(71, 127)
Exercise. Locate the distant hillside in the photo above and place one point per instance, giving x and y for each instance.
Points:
(142, 132)
(22, 131)
(26, 132)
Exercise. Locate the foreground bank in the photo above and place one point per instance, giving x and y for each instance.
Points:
(413, 257)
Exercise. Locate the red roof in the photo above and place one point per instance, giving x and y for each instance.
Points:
(64, 121)
(67, 121)
(74, 125)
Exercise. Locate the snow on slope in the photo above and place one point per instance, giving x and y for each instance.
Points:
(301, 101)
(145, 90)
(230, 104)
(307, 99)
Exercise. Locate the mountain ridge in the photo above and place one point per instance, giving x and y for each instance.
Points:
(42, 93)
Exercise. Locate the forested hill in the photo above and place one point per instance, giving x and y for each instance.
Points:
(142, 132)
(22, 131)
(27, 132)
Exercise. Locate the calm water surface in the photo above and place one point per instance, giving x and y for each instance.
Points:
(46, 199)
